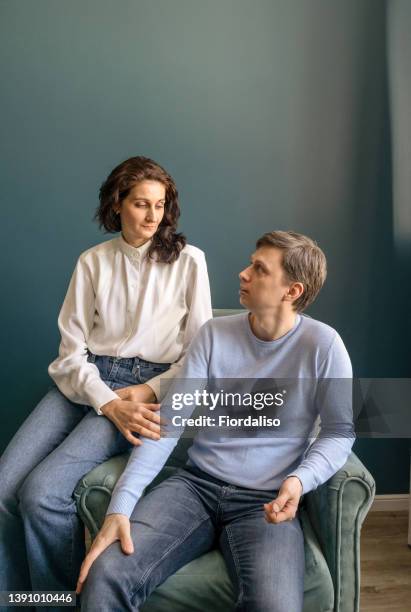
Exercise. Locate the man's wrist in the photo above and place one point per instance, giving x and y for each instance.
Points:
(298, 479)
(151, 396)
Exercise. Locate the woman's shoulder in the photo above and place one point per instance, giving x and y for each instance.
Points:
(192, 252)
(102, 249)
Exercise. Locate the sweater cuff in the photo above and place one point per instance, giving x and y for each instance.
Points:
(123, 503)
(306, 477)
(160, 385)
(99, 394)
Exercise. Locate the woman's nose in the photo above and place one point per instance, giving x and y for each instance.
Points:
(150, 214)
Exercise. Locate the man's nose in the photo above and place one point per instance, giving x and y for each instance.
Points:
(243, 276)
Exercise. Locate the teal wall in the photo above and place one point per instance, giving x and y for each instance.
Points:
(270, 114)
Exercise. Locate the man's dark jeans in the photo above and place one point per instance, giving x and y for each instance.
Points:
(184, 517)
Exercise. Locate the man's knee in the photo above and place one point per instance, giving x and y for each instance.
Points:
(276, 599)
(112, 578)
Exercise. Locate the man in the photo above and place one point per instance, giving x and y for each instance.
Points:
(232, 483)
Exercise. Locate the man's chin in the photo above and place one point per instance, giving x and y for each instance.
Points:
(243, 300)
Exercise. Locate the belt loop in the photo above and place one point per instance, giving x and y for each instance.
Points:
(91, 357)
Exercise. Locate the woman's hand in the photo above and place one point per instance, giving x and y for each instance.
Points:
(134, 416)
(115, 527)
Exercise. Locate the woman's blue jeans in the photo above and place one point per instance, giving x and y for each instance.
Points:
(41, 536)
(184, 517)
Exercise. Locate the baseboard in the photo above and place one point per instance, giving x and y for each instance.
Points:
(390, 503)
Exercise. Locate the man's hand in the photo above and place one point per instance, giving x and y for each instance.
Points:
(284, 506)
(133, 416)
(115, 527)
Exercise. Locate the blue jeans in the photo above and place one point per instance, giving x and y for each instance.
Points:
(184, 517)
(41, 537)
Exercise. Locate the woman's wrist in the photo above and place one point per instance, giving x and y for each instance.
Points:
(106, 409)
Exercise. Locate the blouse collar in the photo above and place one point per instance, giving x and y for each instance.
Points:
(135, 254)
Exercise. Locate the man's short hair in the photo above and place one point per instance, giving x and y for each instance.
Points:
(303, 262)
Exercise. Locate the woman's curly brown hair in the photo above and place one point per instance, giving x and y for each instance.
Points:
(166, 243)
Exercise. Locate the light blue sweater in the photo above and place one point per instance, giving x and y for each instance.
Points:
(310, 363)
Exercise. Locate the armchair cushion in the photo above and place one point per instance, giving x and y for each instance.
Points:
(331, 518)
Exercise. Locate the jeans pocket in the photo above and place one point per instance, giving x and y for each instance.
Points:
(149, 370)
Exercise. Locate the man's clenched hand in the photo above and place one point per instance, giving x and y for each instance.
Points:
(284, 506)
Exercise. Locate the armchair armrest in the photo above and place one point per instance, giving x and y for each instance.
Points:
(337, 510)
(93, 491)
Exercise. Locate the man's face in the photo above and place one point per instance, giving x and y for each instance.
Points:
(263, 284)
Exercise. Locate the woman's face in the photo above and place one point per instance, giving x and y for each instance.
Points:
(141, 211)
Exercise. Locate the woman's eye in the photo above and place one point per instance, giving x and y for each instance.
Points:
(159, 205)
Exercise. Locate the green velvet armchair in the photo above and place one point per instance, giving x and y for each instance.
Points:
(331, 518)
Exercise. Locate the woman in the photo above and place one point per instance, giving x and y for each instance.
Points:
(132, 307)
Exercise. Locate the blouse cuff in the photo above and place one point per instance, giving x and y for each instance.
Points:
(100, 394)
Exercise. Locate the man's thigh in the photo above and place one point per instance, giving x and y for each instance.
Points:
(170, 527)
(265, 562)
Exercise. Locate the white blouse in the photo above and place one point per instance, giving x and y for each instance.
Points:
(122, 304)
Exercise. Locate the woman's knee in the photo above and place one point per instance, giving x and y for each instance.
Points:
(40, 490)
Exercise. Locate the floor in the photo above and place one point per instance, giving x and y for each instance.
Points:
(385, 563)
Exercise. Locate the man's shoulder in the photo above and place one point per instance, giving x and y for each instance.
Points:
(222, 326)
(328, 346)
(318, 335)
(315, 328)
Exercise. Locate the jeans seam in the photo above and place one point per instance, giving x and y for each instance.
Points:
(166, 552)
(115, 366)
(71, 520)
(236, 564)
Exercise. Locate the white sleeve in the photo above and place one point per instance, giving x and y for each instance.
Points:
(76, 378)
(198, 299)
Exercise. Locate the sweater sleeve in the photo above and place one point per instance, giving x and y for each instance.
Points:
(147, 460)
(330, 449)
(76, 378)
(198, 300)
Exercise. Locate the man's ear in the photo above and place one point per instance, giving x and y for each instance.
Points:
(295, 290)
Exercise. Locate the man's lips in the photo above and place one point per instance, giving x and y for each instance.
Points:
(242, 290)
